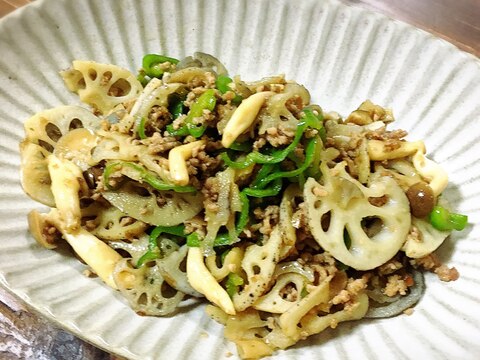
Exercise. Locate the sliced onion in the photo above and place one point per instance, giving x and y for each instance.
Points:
(402, 304)
(294, 266)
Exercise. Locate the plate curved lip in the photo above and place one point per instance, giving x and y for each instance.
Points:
(99, 342)
(412, 27)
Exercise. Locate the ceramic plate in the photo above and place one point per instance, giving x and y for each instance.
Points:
(343, 55)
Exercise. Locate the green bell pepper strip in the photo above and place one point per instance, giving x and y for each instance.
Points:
(309, 120)
(143, 174)
(244, 146)
(265, 170)
(206, 101)
(194, 240)
(309, 155)
(153, 251)
(176, 109)
(143, 78)
(222, 83)
(151, 64)
(244, 212)
(141, 128)
(443, 220)
(233, 282)
(271, 191)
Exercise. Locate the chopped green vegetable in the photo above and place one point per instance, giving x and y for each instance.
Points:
(222, 83)
(309, 155)
(141, 128)
(276, 156)
(443, 220)
(232, 284)
(153, 249)
(206, 101)
(152, 64)
(139, 173)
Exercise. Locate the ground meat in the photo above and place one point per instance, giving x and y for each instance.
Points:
(432, 263)
(378, 201)
(447, 274)
(210, 192)
(384, 135)
(295, 105)
(160, 144)
(196, 224)
(203, 164)
(353, 288)
(414, 234)
(259, 143)
(158, 117)
(51, 234)
(390, 267)
(269, 217)
(278, 136)
(395, 285)
(289, 293)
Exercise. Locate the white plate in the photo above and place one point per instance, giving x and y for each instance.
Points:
(343, 55)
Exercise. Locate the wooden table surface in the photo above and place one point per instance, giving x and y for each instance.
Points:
(24, 335)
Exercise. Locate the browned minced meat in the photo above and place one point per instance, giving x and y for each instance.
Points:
(203, 164)
(378, 201)
(295, 105)
(51, 234)
(160, 144)
(353, 288)
(432, 263)
(289, 293)
(396, 284)
(269, 217)
(382, 134)
(159, 117)
(210, 192)
(196, 224)
(390, 267)
(279, 136)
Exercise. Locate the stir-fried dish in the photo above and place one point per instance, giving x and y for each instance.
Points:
(180, 182)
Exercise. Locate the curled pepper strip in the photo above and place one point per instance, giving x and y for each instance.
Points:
(222, 83)
(232, 283)
(444, 220)
(153, 249)
(309, 120)
(206, 101)
(141, 174)
(141, 128)
(151, 64)
(309, 156)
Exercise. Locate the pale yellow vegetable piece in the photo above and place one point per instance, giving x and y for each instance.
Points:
(177, 161)
(66, 186)
(314, 323)
(102, 86)
(274, 301)
(259, 265)
(231, 263)
(378, 151)
(35, 177)
(427, 240)
(432, 172)
(243, 117)
(77, 146)
(288, 321)
(96, 254)
(345, 203)
(204, 282)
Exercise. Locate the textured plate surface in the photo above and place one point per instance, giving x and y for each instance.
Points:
(343, 55)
